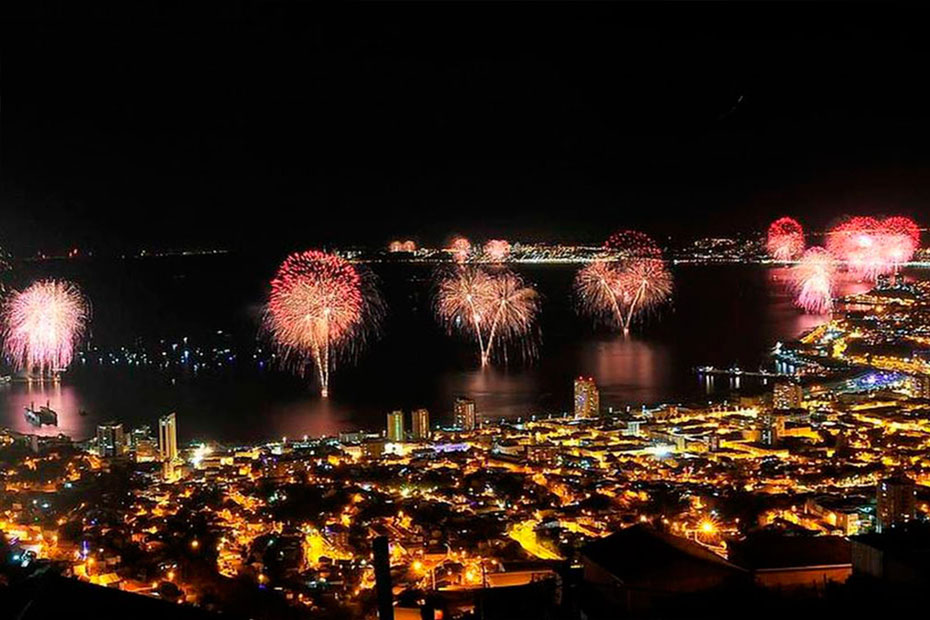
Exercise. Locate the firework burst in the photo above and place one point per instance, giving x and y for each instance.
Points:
(812, 281)
(869, 247)
(43, 325)
(900, 238)
(460, 248)
(633, 244)
(646, 283)
(498, 310)
(497, 250)
(320, 307)
(599, 290)
(785, 240)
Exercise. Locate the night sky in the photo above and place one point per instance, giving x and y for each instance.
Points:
(280, 126)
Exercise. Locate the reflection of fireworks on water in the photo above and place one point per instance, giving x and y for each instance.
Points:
(460, 248)
(599, 289)
(785, 240)
(812, 281)
(43, 325)
(497, 250)
(320, 306)
(497, 310)
(633, 244)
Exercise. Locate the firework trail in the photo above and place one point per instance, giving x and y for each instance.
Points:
(496, 310)
(320, 307)
(616, 291)
(812, 281)
(599, 290)
(785, 240)
(43, 325)
(460, 248)
(497, 250)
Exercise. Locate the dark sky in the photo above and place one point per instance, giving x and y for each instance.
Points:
(280, 126)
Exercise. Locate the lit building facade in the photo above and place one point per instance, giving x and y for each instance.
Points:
(395, 426)
(896, 502)
(420, 424)
(168, 444)
(587, 398)
(111, 440)
(465, 414)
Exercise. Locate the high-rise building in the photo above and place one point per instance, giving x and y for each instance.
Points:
(419, 424)
(111, 441)
(168, 438)
(395, 426)
(787, 395)
(772, 427)
(587, 398)
(896, 501)
(465, 413)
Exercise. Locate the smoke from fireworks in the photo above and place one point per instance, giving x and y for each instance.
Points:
(320, 306)
(812, 281)
(460, 248)
(497, 250)
(869, 248)
(785, 240)
(43, 325)
(497, 310)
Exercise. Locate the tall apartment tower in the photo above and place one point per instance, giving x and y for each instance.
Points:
(896, 499)
(420, 424)
(465, 413)
(111, 440)
(395, 426)
(168, 438)
(587, 398)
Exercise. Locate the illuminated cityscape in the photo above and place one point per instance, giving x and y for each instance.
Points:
(400, 311)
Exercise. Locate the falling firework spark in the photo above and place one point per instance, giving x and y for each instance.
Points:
(812, 281)
(633, 244)
(43, 325)
(497, 250)
(646, 283)
(785, 239)
(460, 248)
(320, 306)
(599, 289)
(496, 310)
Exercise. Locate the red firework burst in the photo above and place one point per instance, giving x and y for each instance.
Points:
(785, 240)
(497, 250)
(320, 305)
(633, 244)
(900, 239)
(857, 243)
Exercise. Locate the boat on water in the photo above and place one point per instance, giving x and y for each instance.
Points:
(44, 415)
